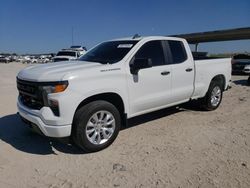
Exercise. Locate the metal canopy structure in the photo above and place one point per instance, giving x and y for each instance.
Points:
(215, 36)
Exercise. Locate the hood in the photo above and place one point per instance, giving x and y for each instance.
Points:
(54, 71)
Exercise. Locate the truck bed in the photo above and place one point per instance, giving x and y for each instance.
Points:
(204, 58)
(203, 55)
(206, 69)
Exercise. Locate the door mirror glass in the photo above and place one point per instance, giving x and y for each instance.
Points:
(140, 63)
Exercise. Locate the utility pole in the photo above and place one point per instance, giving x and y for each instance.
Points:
(196, 47)
(72, 35)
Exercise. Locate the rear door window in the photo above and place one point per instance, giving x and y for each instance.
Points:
(178, 51)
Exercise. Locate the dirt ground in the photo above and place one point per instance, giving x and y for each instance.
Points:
(176, 147)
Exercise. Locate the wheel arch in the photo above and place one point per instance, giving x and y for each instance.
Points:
(111, 97)
(220, 78)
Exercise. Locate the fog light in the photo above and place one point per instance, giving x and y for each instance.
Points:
(54, 106)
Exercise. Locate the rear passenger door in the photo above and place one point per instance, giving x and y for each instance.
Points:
(182, 71)
(151, 87)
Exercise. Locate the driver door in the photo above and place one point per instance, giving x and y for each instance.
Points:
(150, 88)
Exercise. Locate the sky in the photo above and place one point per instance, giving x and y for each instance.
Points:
(45, 26)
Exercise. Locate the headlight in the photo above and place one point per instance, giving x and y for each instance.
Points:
(49, 88)
(55, 88)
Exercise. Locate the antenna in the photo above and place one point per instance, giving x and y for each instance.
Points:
(136, 36)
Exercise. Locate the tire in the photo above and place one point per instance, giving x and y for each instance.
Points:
(248, 81)
(213, 96)
(96, 126)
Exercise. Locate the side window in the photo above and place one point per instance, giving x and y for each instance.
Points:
(152, 50)
(178, 51)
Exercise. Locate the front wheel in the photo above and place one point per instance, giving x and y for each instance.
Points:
(96, 125)
(213, 97)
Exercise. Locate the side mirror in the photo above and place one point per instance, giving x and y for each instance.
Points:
(139, 63)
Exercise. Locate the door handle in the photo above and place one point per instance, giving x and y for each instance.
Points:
(189, 69)
(164, 73)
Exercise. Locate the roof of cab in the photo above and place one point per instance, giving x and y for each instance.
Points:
(147, 38)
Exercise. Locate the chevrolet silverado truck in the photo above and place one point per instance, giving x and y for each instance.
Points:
(91, 98)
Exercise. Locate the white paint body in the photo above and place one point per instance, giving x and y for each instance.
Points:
(146, 92)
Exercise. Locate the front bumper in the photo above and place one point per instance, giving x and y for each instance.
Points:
(36, 117)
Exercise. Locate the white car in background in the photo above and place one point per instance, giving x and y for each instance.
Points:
(247, 71)
(32, 59)
(43, 59)
(81, 49)
(4, 59)
(73, 53)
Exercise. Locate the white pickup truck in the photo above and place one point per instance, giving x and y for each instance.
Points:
(71, 54)
(91, 98)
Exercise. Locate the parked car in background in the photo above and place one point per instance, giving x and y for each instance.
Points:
(247, 71)
(29, 59)
(89, 99)
(73, 53)
(13, 58)
(239, 62)
(81, 49)
(4, 59)
(43, 59)
(32, 60)
(19, 59)
(66, 55)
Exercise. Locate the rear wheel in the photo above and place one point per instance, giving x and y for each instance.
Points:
(248, 81)
(96, 125)
(213, 97)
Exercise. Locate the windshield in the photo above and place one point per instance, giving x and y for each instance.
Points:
(66, 53)
(109, 52)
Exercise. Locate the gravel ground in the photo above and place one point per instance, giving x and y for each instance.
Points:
(176, 147)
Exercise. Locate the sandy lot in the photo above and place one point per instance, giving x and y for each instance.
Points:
(177, 147)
